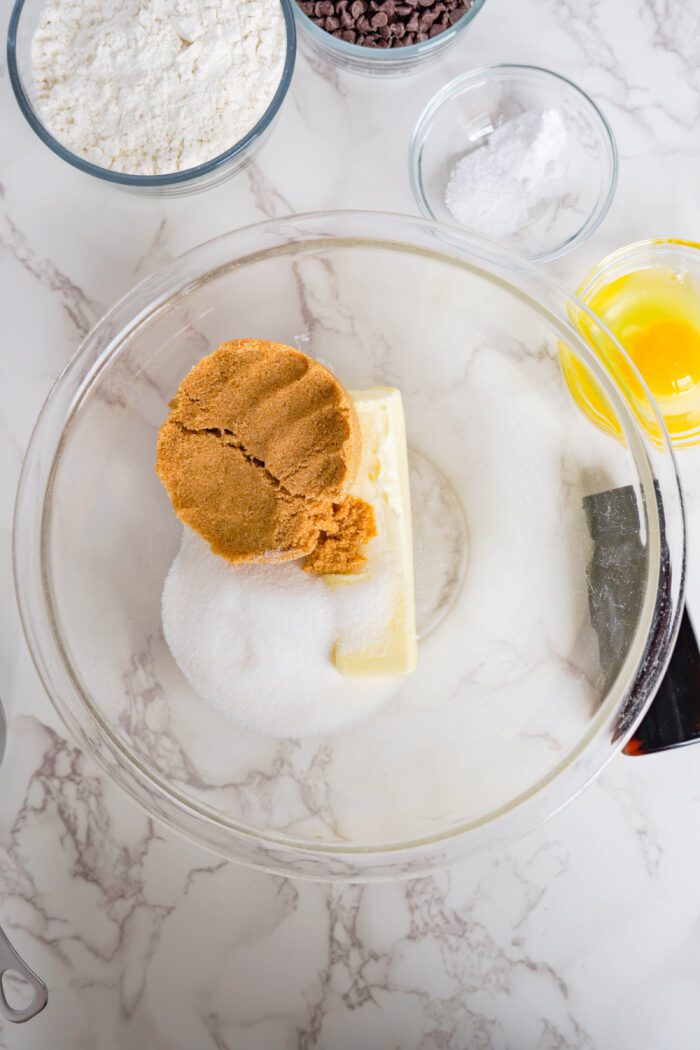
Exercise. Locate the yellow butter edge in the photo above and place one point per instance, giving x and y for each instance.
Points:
(403, 656)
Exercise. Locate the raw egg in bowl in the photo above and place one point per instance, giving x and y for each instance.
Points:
(648, 296)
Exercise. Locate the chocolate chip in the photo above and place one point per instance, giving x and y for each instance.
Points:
(384, 23)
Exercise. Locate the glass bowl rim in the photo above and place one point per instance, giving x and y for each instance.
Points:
(149, 788)
(388, 56)
(174, 178)
(635, 250)
(496, 72)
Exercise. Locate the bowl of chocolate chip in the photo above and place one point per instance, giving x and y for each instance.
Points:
(383, 37)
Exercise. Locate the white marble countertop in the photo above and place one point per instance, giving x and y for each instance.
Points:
(583, 935)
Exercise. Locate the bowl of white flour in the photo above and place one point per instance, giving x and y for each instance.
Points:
(164, 97)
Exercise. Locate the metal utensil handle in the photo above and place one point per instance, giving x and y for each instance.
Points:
(10, 960)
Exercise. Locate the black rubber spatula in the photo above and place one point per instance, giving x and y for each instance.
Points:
(616, 577)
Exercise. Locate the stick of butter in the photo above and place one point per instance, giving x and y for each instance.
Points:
(382, 480)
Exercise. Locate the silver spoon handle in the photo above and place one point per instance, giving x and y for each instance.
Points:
(10, 960)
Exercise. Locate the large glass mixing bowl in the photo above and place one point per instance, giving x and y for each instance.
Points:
(550, 555)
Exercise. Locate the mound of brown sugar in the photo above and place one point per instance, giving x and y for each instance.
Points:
(341, 550)
(257, 454)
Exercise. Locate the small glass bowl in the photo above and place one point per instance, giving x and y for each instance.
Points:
(462, 116)
(676, 388)
(23, 22)
(374, 61)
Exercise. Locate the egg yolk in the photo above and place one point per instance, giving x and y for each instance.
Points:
(667, 353)
(655, 315)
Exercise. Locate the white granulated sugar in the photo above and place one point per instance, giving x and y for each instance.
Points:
(256, 641)
(148, 87)
(495, 188)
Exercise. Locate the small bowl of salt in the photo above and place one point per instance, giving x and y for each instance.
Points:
(518, 154)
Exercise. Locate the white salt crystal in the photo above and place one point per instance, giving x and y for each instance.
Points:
(495, 188)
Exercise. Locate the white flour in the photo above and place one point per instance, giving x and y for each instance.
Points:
(495, 188)
(255, 641)
(148, 87)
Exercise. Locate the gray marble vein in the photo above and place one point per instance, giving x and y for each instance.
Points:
(81, 311)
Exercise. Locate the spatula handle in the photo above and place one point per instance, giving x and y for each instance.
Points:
(674, 716)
